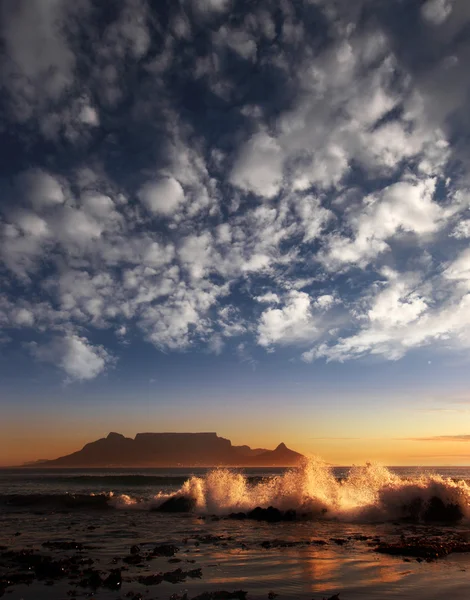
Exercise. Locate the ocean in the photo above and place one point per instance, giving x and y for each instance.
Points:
(360, 532)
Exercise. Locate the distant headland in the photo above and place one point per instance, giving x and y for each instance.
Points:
(172, 450)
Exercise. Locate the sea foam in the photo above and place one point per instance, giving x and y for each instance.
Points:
(368, 493)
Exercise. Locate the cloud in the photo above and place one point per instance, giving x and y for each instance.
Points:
(401, 207)
(436, 11)
(221, 177)
(75, 355)
(443, 438)
(162, 197)
(291, 324)
(269, 298)
(258, 167)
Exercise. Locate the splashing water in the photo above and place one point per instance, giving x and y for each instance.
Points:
(368, 493)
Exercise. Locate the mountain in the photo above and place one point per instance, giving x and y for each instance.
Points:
(170, 450)
(282, 455)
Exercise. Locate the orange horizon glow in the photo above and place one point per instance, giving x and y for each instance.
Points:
(393, 435)
(28, 447)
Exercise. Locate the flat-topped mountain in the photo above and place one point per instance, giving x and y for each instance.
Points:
(172, 449)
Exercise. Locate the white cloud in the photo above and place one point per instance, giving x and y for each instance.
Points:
(38, 63)
(210, 6)
(238, 40)
(40, 189)
(75, 355)
(195, 254)
(462, 230)
(291, 324)
(325, 301)
(258, 168)
(405, 206)
(336, 121)
(89, 116)
(402, 314)
(436, 11)
(23, 317)
(162, 197)
(269, 298)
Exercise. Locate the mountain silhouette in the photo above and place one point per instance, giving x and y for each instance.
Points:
(172, 449)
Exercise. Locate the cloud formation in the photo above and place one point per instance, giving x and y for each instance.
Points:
(226, 176)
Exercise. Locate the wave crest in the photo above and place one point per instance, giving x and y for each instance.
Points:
(370, 492)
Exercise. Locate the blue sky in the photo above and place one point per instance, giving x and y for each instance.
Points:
(234, 204)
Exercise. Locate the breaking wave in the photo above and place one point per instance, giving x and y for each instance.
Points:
(366, 493)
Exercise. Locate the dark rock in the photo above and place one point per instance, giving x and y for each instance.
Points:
(179, 575)
(135, 549)
(194, 573)
(415, 549)
(92, 579)
(222, 595)
(151, 579)
(282, 544)
(339, 541)
(437, 510)
(271, 514)
(47, 569)
(175, 576)
(60, 545)
(165, 550)
(177, 504)
(114, 580)
(272, 595)
(133, 559)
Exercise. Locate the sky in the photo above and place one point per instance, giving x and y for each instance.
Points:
(243, 217)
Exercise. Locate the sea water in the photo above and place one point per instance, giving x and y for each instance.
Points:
(350, 510)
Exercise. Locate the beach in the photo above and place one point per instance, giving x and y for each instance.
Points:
(56, 547)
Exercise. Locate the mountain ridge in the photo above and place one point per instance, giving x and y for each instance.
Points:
(170, 449)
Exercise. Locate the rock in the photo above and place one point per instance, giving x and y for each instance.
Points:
(175, 576)
(415, 549)
(47, 569)
(194, 573)
(114, 580)
(135, 549)
(271, 514)
(165, 550)
(436, 510)
(92, 579)
(222, 595)
(133, 559)
(151, 579)
(60, 545)
(177, 504)
(239, 516)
